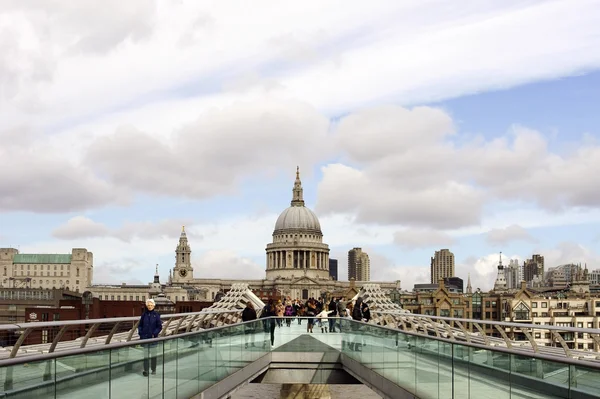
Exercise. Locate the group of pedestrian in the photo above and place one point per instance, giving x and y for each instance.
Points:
(316, 312)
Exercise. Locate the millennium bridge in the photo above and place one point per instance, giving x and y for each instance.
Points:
(212, 354)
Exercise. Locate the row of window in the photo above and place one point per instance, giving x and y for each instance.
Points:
(137, 297)
(35, 267)
(28, 273)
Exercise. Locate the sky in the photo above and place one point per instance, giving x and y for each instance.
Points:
(417, 125)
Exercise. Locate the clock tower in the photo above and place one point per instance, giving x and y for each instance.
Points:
(183, 271)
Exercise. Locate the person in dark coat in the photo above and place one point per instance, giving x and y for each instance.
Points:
(249, 314)
(357, 316)
(149, 327)
(333, 315)
(270, 312)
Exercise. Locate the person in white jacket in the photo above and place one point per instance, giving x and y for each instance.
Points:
(323, 318)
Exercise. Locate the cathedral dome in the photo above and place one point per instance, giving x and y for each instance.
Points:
(297, 217)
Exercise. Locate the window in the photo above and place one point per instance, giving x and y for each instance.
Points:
(487, 304)
(521, 312)
(534, 305)
(544, 304)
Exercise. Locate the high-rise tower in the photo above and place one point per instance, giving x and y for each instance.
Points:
(442, 265)
(359, 265)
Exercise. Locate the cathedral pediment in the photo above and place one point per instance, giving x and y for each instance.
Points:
(304, 280)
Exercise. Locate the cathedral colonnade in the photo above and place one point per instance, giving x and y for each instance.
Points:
(298, 259)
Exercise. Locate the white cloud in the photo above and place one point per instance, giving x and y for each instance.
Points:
(227, 264)
(393, 178)
(211, 155)
(502, 236)
(482, 269)
(36, 178)
(81, 227)
(420, 238)
(569, 252)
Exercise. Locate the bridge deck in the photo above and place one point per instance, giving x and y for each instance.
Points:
(192, 365)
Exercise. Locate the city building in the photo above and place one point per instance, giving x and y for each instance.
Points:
(333, 269)
(359, 265)
(442, 265)
(514, 274)
(533, 270)
(297, 266)
(70, 272)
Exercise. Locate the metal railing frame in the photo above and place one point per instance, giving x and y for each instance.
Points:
(27, 328)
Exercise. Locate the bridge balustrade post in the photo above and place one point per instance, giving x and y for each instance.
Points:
(490, 358)
(539, 369)
(8, 379)
(572, 376)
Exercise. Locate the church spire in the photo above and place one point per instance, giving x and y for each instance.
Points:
(500, 283)
(469, 288)
(156, 276)
(297, 197)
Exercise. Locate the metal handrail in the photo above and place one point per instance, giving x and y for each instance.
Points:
(28, 328)
(46, 324)
(493, 322)
(117, 345)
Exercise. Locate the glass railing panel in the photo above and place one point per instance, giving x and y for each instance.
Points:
(207, 360)
(538, 378)
(407, 361)
(186, 375)
(170, 364)
(127, 367)
(461, 355)
(427, 367)
(584, 382)
(489, 374)
(445, 369)
(237, 359)
(380, 351)
(29, 380)
(89, 369)
(221, 342)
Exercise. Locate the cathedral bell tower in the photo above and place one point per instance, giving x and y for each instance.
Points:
(183, 271)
